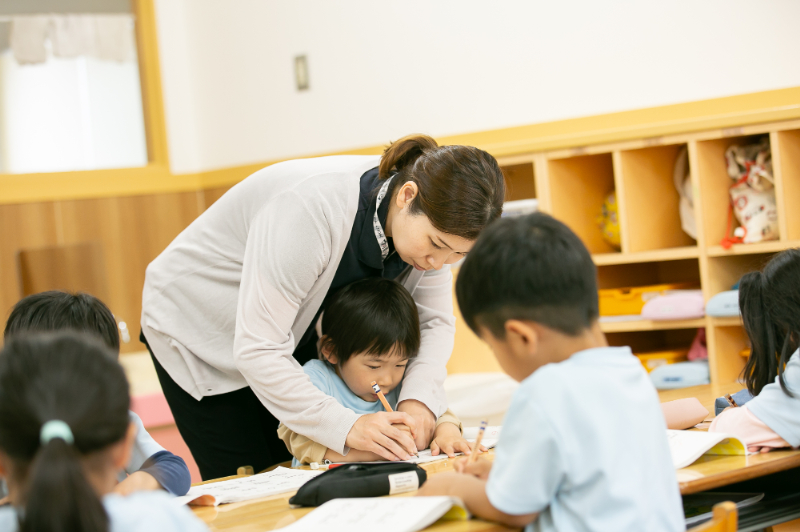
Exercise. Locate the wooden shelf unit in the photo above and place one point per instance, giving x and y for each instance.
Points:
(571, 184)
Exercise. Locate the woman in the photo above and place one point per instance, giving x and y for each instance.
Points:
(230, 307)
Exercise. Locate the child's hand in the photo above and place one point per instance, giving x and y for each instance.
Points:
(479, 468)
(138, 481)
(438, 485)
(448, 440)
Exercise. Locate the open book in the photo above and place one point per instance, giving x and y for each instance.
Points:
(686, 446)
(386, 514)
(279, 480)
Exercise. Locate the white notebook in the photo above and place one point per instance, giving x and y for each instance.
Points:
(279, 480)
(384, 514)
(686, 446)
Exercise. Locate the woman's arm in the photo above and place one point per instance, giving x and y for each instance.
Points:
(422, 394)
(289, 245)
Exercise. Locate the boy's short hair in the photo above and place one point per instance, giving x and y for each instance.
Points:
(373, 316)
(56, 310)
(528, 268)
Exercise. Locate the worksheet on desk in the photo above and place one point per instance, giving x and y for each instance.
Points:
(384, 514)
(279, 480)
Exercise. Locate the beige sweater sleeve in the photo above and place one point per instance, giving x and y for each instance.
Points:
(304, 449)
(307, 450)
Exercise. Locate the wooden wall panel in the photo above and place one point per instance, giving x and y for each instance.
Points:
(133, 231)
(210, 195)
(30, 225)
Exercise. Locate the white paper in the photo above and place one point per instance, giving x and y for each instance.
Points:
(279, 480)
(686, 446)
(394, 514)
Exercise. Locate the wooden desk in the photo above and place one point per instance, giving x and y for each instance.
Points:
(715, 471)
(271, 513)
(709, 472)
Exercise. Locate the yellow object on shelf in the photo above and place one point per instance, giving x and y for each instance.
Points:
(745, 352)
(626, 301)
(653, 359)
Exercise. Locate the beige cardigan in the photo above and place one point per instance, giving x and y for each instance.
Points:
(223, 304)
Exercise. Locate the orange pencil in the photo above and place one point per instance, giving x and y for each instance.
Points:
(477, 444)
(377, 390)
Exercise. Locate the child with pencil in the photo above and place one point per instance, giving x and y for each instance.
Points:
(770, 307)
(584, 444)
(64, 436)
(151, 467)
(369, 333)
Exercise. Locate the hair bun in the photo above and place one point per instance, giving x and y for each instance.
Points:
(404, 152)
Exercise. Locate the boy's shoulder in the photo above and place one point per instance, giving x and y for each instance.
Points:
(149, 510)
(321, 374)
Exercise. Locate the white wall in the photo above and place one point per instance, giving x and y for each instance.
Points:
(382, 69)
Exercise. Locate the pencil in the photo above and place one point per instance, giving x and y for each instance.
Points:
(377, 390)
(474, 455)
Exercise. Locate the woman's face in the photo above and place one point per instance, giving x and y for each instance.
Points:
(417, 242)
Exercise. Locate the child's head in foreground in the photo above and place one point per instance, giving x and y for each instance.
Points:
(57, 311)
(64, 428)
(528, 288)
(769, 301)
(370, 330)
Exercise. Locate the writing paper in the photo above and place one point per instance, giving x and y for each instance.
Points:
(279, 480)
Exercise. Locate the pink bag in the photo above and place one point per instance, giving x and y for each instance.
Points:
(675, 305)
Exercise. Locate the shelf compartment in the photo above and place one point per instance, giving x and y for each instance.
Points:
(654, 340)
(651, 325)
(724, 345)
(715, 184)
(605, 259)
(788, 182)
(648, 273)
(647, 189)
(578, 188)
(724, 272)
(520, 181)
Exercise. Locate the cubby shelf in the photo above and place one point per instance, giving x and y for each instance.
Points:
(606, 259)
(750, 249)
(655, 245)
(650, 325)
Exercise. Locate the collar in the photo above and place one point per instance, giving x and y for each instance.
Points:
(369, 250)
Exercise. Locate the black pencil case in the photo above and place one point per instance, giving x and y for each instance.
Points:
(360, 480)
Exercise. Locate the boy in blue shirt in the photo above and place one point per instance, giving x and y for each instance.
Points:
(369, 331)
(584, 445)
(151, 467)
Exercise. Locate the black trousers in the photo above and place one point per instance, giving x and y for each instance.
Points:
(226, 431)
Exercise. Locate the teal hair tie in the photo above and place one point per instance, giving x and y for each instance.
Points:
(55, 428)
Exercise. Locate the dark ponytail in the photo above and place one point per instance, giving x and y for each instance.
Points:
(74, 379)
(461, 188)
(770, 306)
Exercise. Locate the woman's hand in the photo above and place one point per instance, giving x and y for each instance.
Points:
(424, 418)
(447, 439)
(375, 433)
(479, 468)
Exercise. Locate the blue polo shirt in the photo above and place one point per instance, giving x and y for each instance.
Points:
(584, 444)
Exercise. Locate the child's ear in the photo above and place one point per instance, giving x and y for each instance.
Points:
(327, 350)
(523, 340)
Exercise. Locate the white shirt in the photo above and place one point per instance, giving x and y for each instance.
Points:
(142, 511)
(777, 410)
(584, 443)
(224, 303)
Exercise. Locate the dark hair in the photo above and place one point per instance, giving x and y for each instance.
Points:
(56, 310)
(528, 268)
(73, 378)
(461, 188)
(770, 306)
(371, 316)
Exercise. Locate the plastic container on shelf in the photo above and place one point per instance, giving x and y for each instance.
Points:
(653, 359)
(520, 207)
(631, 300)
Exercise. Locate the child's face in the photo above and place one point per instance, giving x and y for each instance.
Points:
(359, 371)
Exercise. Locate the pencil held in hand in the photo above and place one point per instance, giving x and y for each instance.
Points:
(477, 445)
(377, 390)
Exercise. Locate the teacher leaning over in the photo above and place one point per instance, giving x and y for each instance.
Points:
(230, 307)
